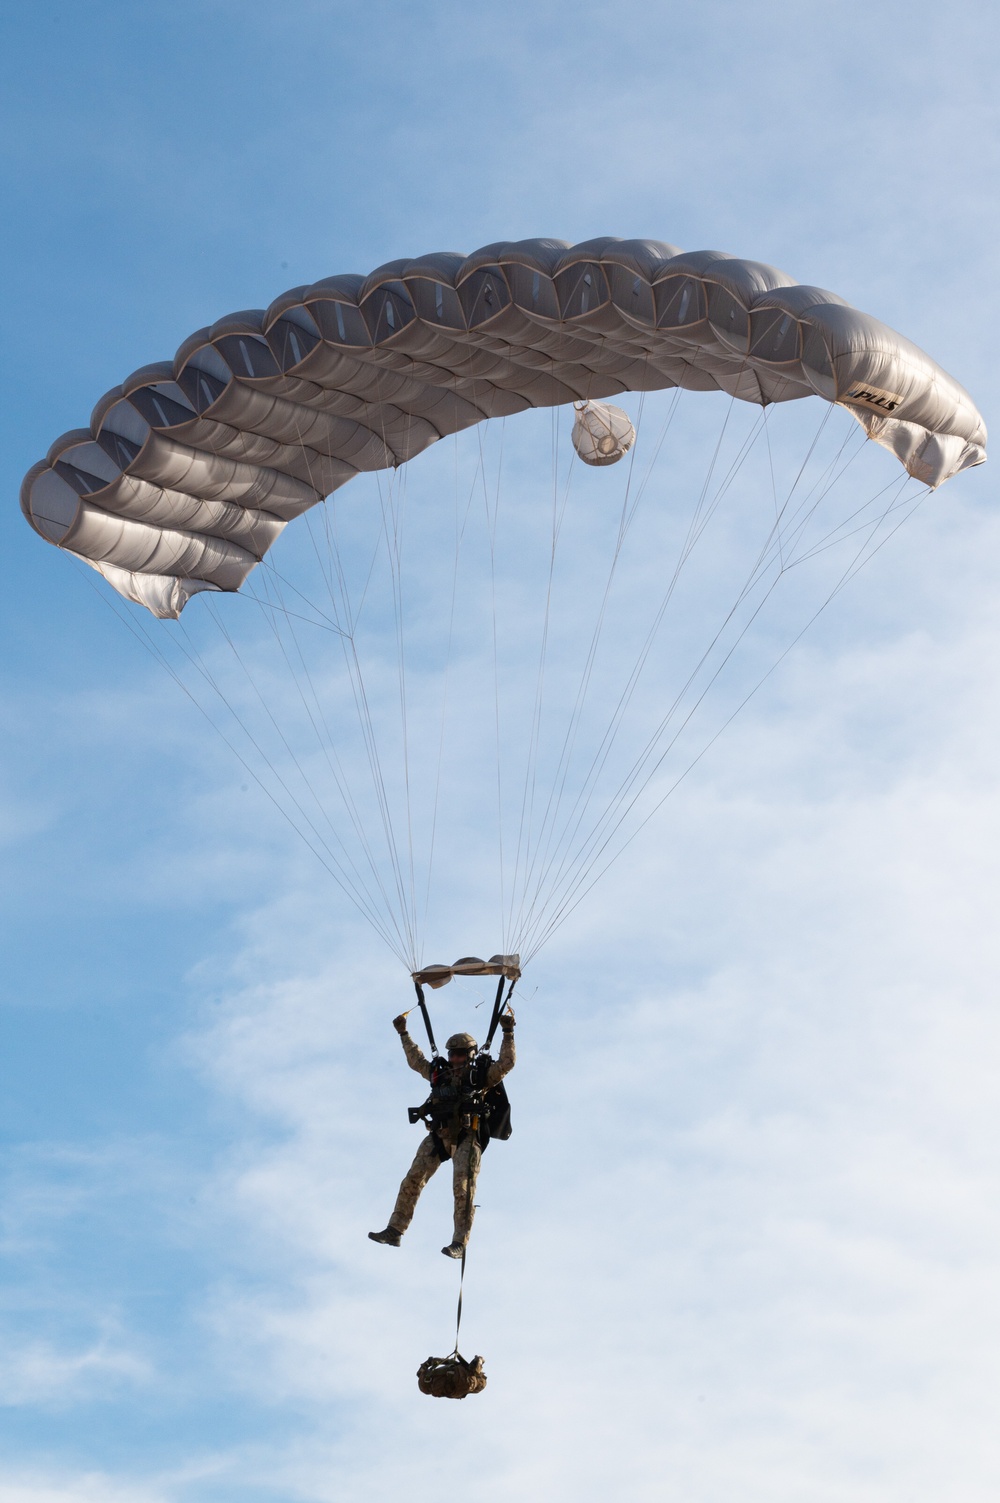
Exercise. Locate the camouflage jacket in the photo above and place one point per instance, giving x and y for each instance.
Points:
(417, 1060)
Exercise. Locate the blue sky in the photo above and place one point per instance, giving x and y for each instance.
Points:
(744, 1240)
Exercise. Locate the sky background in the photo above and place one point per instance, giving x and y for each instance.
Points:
(744, 1241)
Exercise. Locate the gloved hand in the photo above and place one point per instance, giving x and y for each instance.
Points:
(400, 1023)
(507, 1021)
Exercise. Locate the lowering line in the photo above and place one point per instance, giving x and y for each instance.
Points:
(500, 1003)
(461, 1291)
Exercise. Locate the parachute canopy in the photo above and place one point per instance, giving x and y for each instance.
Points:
(191, 468)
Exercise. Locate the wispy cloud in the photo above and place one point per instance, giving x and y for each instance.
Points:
(37, 1373)
(37, 1487)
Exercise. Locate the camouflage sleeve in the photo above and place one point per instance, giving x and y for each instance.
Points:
(506, 1062)
(415, 1056)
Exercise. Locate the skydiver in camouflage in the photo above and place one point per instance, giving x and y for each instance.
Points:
(457, 1124)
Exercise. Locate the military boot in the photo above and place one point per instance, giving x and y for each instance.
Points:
(453, 1250)
(390, 1236)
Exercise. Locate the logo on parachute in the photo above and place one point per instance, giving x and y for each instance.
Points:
(874, 396)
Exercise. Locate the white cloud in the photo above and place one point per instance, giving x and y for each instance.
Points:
(37, 1373)
(35, 1487)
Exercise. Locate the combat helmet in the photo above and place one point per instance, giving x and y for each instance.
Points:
(462, 1041)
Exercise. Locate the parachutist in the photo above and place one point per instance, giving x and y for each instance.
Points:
(467, 1100)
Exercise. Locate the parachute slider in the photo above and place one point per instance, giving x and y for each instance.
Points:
(602, 434)
(469, 965)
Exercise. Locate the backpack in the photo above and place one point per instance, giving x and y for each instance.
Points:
(494, 1120)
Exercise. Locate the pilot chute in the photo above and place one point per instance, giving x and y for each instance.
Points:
(602, 434)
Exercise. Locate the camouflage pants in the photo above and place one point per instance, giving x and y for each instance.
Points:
(465, 1160)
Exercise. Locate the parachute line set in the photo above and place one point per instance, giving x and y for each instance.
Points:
(394, 622)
